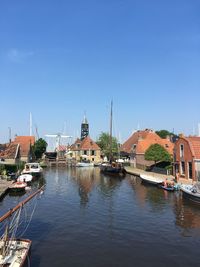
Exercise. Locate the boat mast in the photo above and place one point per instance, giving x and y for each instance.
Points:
(31, 125)
(21, 204)
(111, 117)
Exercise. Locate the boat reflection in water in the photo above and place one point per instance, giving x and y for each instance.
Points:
(91, 219)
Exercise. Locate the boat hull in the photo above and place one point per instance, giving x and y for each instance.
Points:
(188, 194)
(109, 169)
(151, 180)
(21, 258)
(83, 164)
(25, 178)
(170, 189)
(18, 187)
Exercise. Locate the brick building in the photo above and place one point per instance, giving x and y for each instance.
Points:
(85, 150)
(139, 142)
(187, 157)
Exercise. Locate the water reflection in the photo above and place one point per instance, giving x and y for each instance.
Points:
(187, 215)
(89, 178)
(87, 218)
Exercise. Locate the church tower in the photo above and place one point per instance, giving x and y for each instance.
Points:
(84, 128)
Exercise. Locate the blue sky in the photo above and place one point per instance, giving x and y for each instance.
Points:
(61, 58)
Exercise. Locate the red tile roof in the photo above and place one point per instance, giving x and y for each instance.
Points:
(25, 142)
(10, 151)
(143, 140)
(194, 143)
(86, 144)
(89, 144)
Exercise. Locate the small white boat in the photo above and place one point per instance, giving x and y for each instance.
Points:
(18, 186)
(191, 192)
(25, 178)
(151, 179)
(32, 168)
(85, 164)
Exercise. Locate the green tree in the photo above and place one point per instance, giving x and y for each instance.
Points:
(157, 153)
(39, 148)
(104, 143)
(164, 133)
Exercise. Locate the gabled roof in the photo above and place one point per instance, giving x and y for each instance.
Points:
(10, 151)
(142, 140)
(194, 143)
(89, 144)
(25, 142)
(143, 145)
(86, 144)
(75, 145)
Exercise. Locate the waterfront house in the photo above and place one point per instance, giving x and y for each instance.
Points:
(26, 147)
(10, 153)
(139, 142)
(85, 150)
(187, 158)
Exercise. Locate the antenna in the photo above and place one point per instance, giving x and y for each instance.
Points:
(36, 130)
(199, 129)
(9, 128)
(31, 125)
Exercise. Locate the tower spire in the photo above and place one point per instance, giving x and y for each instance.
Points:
(84, 127)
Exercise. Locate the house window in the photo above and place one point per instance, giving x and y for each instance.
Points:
(182, 168)
(85, 152)
(92, 153)
(92, 159)
(190, 170)
(134, 146)
(181, 151)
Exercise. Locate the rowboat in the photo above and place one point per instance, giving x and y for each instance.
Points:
(151, 179)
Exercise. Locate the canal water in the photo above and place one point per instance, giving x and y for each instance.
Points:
(88, 219)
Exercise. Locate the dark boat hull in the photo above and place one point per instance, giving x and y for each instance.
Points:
(112, 170)
(170, 189)
(191, 197)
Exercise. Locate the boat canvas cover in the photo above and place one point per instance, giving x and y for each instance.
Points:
(196, 188)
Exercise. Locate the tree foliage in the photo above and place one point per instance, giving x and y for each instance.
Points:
(39, 148)
(157, 153)
(164, 133)
(104, 143)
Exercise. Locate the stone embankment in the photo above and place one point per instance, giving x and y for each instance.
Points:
(4, 186)
(138, 172)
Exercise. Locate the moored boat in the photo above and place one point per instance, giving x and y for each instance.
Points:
(84, 164)
(14, 252)
(112, 168)
(18, 186)
(169, 185)
(20, 246)
(151, 179)
(32, 168)
(27, 178)
(191, 192)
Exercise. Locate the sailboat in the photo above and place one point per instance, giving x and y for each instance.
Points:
(111, 167)
(14, 252)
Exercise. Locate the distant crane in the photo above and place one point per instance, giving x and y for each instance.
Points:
(57, 137)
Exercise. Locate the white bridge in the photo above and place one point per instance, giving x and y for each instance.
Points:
(54, 141)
